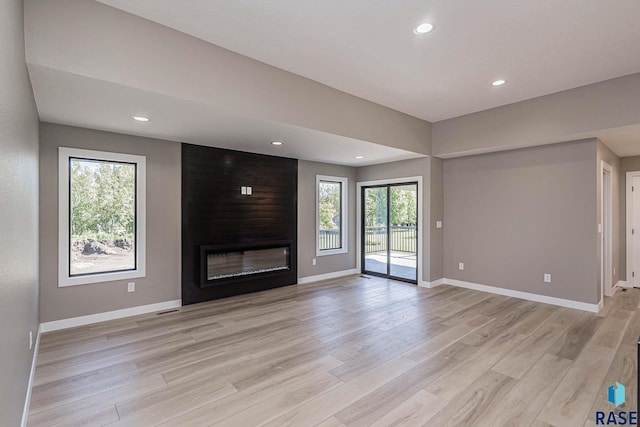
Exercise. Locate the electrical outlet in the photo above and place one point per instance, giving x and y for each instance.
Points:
(131, 287)
(438, 224)
(30, 340)
(313, 261)
(461, 266)
(547, 278)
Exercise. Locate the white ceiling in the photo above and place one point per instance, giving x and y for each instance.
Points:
(624, 141)
(367, 47)
(76, 100)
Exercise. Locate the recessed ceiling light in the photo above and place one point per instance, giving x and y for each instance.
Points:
(141, 119)
(276, 143)
(498, 82)
(359, 157)
(423, 28)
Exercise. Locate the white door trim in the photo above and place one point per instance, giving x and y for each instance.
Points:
(421, 222)
(629, 195)
(606, 238)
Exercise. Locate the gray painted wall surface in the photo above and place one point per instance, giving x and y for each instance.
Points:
(18, 213)
(609, 157)
(515, 215)
(307, 172)
(162, 282)
(402, 169)
(437, 214)
(627, 164)
(563, 116)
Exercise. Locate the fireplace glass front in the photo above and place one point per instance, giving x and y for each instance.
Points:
(238, 263)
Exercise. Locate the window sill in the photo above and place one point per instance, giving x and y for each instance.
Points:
(99, 278)
(331, 252)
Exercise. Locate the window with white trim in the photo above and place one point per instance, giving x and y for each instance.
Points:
(331, 215)
(101, 232)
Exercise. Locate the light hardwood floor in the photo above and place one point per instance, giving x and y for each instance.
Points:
(353, 351)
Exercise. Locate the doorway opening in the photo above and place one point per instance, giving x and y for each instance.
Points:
(389, 231)
(606, 252)
(633, 229)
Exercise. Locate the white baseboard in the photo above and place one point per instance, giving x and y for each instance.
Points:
(594, 308)
(333, 275)
(429, 285)
(622, 284)
(32, 372)
(109, 315)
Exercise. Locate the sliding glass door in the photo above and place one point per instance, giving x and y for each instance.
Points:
(390, 231)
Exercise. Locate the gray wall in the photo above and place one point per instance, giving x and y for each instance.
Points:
(408, 168)
(437, 214)
(563, 116)
(627, 164)
(515, 215)
(18, 213)
(307, 172)
(162, 282)
(609, 157)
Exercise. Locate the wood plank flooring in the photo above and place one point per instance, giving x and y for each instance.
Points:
(347, 352)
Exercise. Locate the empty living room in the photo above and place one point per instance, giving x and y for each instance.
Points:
(319, 213)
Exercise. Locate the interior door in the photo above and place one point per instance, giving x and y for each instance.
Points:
(390, 231)
(635, 273)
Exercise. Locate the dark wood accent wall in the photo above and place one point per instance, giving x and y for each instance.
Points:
(214, 212)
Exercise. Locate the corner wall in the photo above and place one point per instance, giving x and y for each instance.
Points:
(609, 157)
(19, 213)
(437, 214)
(162, 281)
(512, 216)
(307, 172)
(408, 168)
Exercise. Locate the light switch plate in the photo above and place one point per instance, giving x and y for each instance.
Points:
(547, 278)
(438, 224)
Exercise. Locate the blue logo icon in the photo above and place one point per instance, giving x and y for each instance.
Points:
(616, 394)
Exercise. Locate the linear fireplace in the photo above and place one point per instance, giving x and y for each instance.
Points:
(234, 243)
(221, 266)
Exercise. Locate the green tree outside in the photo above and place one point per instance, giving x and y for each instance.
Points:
(403, 207)
(103, 198)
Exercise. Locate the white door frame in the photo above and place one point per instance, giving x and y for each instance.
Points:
(421, 222)
(606, 237)
(629, 234)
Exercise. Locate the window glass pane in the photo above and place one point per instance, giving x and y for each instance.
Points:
(330, 215)
(102, 216)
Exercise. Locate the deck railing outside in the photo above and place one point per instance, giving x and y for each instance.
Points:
(404, 238)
